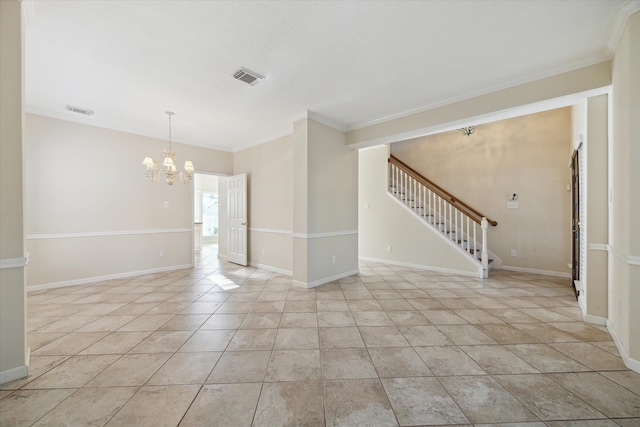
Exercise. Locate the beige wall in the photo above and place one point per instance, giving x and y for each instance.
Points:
(325, 204)
(269, 168)
(561, 87)
(13, 343)
(383, 222)
(91, 214)
(624, 207)
(528, 156)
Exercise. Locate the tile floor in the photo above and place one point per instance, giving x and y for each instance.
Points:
(222, 345)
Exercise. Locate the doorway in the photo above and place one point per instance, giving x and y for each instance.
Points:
(575, 221)
(205, 211)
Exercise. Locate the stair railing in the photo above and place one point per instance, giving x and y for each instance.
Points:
(461, 223)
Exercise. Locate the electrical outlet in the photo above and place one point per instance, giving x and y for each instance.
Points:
(512, 205)
(389, 248)
(514, 252)
(333, 259)
(160, 253)
(262, 251)
(166, 204)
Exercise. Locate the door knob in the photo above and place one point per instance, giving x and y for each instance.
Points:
(244, 223)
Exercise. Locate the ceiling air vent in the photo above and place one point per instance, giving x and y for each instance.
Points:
(247, 76)
(79, 110)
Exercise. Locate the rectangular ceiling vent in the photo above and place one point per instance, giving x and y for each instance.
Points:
(248, 76)
(79, 110)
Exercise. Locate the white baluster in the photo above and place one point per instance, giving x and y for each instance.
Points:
(485, 251)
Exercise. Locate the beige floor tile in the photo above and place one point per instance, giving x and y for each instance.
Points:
(146, 322)
(448, 360)
(364, 305)
(547, 399)
(268, 307)
(297, 306)
(586, 423)
(206, 307)
(627, 379)
(24, 407)
(372, 318)
(162, 342)
(297, 339)
(346, 363)
(545, 358)
(628, 422)
(603, 394)
(116, 343)
(465, 335)
(511, 315)
(38, 365)
(185, 322)
(454, 303)
(235, 307)
(443, 317)
(422, 401)
(383, 293)
(348, 337)
(484, 400)
(590, 356)
(408, 318)
(70, 344)
(331, 305)
(477, 317)
(224, 321)
(294, 365)
(73, 372)
(335, 319)
(253, 339)
(169, 307)
(134, 308)
(398, 362)
(299, 320)
(583, 331)
(383, 336)
(322, 294)
(156, 406)
(426, 304)
(186, 368)
(66, 324)
(244, 296)
(506, 334)
(213, 340)
(235, 405)
(290, 404)
(261, 321)
(88, 407)
(545, 332)
(359, 402)
(424, 335)
(130, 370)
(240, 367)
(496, 359)
(546, 315)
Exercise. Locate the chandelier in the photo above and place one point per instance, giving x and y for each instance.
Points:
(170, 172)
(467, 130)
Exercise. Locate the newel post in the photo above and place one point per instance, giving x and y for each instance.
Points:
(485, 254)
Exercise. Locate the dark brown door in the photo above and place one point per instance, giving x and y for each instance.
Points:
(575, 220)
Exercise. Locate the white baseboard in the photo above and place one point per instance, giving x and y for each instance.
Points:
(13, 374)
(629, 362)
(271, 269)
(596, 320)
(324, 280)
(421, 267)
(535, 271)
(95, 279)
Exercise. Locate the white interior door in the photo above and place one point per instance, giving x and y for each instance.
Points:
(237, 210)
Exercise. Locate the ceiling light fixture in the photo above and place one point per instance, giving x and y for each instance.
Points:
(468, 130)
(152, 173)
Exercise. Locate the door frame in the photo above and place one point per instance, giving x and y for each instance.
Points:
(576, 272)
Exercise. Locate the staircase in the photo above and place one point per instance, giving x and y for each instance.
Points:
(460, 224)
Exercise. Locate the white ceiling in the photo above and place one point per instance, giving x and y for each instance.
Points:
(350, 62)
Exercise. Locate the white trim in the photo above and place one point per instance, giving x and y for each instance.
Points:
(421, 267)
(633, 260)
(14, 262)
(107, 233)
(535, 271)
(270, 230)
(96, 279)
(630, 363)
(329, 279)
(271, 269)
(598, 246)
(14, 374)
(596, 320)
(327, 234)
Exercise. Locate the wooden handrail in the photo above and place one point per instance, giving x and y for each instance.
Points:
(444, 194)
